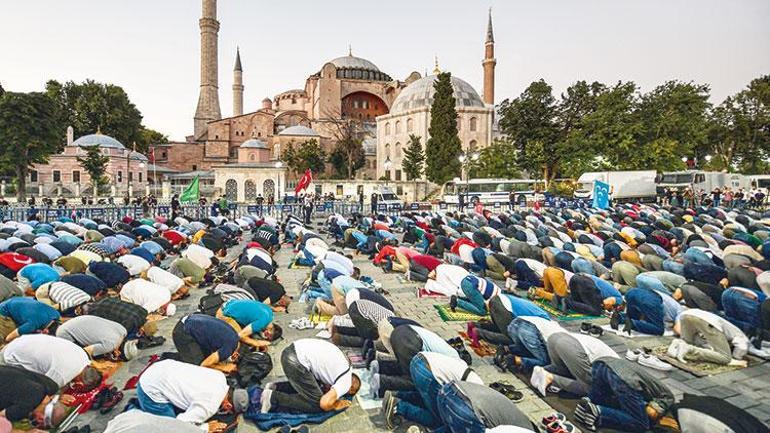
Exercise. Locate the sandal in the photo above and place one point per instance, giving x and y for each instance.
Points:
(508, 391)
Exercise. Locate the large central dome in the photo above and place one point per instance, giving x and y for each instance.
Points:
(98, 139)
(353, 62)
(420, 94)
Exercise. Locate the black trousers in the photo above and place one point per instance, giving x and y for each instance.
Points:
(707, 297)
(584, 296)
(395, 375)
(418, 272)
(497, 331)
(189, 350)
(303, 395)
(366, 328)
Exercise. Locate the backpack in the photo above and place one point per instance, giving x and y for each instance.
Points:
(253, 367)
(209, 304)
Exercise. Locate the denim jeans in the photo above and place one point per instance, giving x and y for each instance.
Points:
(528, 344)
(742, 311)
(146, 404)
(307, 260)
(473, 301)
(621, 407)
(645, 309)
(456, 412)
(697, 256)
(673, 266)
(423, 409)
(650, 283)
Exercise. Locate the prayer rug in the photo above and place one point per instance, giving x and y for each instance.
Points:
(364, 396)
(700, 368)
(422, 293)
(318, 318)
(356, 358)
(459, 315)
(484, 349)
(107, 368)
(634, 334)
(560, 315)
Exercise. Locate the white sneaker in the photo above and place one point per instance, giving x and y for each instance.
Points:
(762, 353)
(673, 348)
(510, 283)
(633, 354)
(538, 379)
(652, 361)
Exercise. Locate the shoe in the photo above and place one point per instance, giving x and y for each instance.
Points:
(587, 413)
(374, 386)
(761, 353)
(628, 327)
(453, 303)
(508, 391)
(470, 326)
(414, 429)
(114, 398)
(652, 361)
(301, 429)
(633, 354)
(474, 336)
(501, 358)
(265, 404)
(532, 293)
(596, 331)
(538, 379)
(374, 367)
(674, 348)
(456, 343)
(556, 417)
(389, 410)
(615, 320)
(465, 356)
(585, 328)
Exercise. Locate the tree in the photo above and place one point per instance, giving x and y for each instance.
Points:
(308, 155)
(348, 156)
(443, 147)
(95, 164)
(92, 106)
(30, 132)
(414, 161)
(498, 160)
(611, 127)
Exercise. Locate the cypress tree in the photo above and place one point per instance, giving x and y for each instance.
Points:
(443, 147)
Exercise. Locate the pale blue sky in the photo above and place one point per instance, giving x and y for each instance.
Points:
(151, 47)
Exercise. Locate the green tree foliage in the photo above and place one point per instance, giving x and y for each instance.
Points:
(348, 155)
(443, 147)
(307, 154)
(414, 158)
(498, 160)
(30, 132)
(92, 106)
(95, 164)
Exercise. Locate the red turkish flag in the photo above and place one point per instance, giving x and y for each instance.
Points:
(304, 182)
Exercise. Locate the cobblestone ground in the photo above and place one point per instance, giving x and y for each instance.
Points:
(748, 388)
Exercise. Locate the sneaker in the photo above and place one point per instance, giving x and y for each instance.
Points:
(673, 348)
(538, 379)
(633, 354)
(389, 410)
(414, 429)
(596, 331)
(615, 320)
(628, 327)
(510, 284)
(453, 303)
(652, 361)
(554, 417)
(532, 293)
(585, 328)
(761, 353)
(587, 413)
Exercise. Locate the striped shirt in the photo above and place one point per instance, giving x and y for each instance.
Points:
(67, 295)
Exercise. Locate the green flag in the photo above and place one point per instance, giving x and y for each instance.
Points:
(192, 192)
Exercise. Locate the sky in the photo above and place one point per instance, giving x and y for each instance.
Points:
(151, 47)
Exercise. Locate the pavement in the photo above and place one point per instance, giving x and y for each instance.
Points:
(748, 388)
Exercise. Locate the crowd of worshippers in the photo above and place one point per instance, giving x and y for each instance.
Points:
(701, 275)
(78, 295)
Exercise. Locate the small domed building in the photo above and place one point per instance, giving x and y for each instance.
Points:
(410, 114)
(126, 170)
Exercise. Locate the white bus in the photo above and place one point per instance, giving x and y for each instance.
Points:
(490, 191)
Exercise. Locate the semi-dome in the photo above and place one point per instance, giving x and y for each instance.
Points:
(354, 62)
(420, 94)
(254, 144)
(98, 139)
(299, 130)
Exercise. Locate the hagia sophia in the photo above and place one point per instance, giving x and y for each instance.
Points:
(238, 155)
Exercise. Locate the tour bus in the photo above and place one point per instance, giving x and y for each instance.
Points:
(490, 191)
(701, 180)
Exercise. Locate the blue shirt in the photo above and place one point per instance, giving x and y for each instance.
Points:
(39, 274)
(63, 247)
(110, 273)
(212, 334)
(143, 253)
(346, 284)
(29, 314)
(112, 244)
(523, 307)
(86, 283)
(247, 312)
(607, 289)
(152, 247)
(127, 241)
(431, 342)
(384, 234)
(70, 239)
(360, 237)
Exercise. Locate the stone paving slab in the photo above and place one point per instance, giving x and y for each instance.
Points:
(748, 388)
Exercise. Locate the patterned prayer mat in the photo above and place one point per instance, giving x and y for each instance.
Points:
(484, 349)
(700, 368)
(560, 315)
(459, 315)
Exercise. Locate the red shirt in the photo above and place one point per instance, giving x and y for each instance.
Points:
(15, 261)
(386, 251)
(174, 237)
(462, 241)
(427, 261)
(381, 226)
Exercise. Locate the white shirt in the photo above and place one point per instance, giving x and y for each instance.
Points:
(545, 326)
(196, 390)
(326, 362)
(136, 421)
(59, 359)
(537, 267)
(317, 247)
(594, 347)
(165, 278)
(342, 260)
(199, 255)
(145, 293)
(466, 253)
(450, 275)
(447, 369)
(734, 335)
(134, 264)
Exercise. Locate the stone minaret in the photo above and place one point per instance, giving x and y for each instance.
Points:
(489, 63)
(237, 85)
(208, 101)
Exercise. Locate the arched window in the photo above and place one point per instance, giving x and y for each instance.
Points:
(472, 146)
(398, 127)
(473, 124)
(398, 150)
(387, 128)
(387, 150)
(252, 157)
(409, 125)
